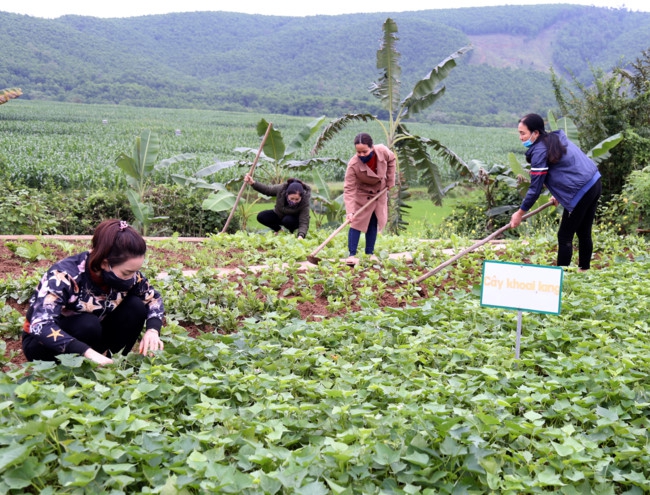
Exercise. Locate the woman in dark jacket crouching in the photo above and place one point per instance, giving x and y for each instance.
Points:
(291, 205)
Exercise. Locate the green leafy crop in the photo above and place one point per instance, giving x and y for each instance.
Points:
(423, 396)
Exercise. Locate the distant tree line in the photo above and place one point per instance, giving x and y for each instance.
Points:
(308, 66)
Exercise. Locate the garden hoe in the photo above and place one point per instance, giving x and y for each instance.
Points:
(243, 186)
(312, 257)
(478, 244)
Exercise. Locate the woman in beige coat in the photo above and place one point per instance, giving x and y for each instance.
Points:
(369, 171)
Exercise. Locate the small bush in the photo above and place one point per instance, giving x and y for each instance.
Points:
(25, 211)
(78, 213)
(29, 211)
(630, 211)
(471, 220)
(184, 213)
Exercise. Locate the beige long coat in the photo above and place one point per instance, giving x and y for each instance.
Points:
(361, 184)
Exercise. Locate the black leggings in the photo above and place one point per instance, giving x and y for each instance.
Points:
(270, 219)
(117, 332)
(578, 222)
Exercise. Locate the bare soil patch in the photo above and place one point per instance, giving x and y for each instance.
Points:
(314, 307)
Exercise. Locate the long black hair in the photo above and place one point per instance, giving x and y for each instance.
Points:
(555, 150)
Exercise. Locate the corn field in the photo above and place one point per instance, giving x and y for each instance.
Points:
(64, 145)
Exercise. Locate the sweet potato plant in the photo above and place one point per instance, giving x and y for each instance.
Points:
(280, 379)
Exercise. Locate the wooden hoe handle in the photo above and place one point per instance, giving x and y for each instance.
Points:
(331, 236)
(243, 186)
(478, 244)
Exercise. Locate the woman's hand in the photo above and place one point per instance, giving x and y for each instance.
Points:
(248, 179)
(515, 220)
(554, 201)
(96, 357)
(150, 342)
(349, 217)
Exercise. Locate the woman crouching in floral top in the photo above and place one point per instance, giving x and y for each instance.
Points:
(95, 303)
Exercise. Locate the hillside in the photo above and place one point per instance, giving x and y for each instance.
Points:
(315, 65)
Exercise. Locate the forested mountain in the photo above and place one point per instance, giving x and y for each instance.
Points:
(319, 64)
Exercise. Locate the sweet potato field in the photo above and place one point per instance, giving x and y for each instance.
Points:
(283, 377)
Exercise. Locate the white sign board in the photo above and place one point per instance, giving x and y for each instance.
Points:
(522, 287)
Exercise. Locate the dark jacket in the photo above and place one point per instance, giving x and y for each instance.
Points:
(67, 289)
(282, 208)
(568, 180)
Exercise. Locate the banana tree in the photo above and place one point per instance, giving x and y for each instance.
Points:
(9, 94)
(220, 199)
(325, 205)
(278, 159)
(138, 170)
(415, 154)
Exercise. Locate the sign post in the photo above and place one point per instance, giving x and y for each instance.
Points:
(534, 288)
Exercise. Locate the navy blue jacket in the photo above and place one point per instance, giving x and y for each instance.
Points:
(568, 180)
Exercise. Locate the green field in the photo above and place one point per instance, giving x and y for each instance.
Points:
(74, 146)
(424, 396)
(328, 379)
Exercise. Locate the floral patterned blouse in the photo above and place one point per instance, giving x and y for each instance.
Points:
(67, 289)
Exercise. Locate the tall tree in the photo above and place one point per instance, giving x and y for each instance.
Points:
(415, 154)
(616, 102)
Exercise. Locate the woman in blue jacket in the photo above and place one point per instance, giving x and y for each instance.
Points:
(573, 180)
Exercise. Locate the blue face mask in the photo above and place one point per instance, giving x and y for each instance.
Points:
(528, 143)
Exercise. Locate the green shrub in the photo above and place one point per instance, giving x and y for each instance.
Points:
(25, 211)
(30, 211)
(467, 220)
(630, 211)
(471, 220)
(184, 213)
(79, 214)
